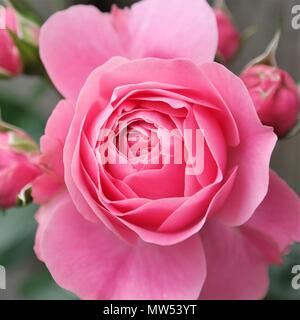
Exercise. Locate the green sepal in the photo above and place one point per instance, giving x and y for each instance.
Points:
(32, 64)
(23, 144)
(18, 140)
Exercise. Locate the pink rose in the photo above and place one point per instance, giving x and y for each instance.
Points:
(229, 36)
(275, 96)
(17, 168)
(134, 230)
(10, 60)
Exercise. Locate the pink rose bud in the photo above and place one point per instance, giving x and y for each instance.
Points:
(275, 96)
(18, 42)
(229, 36)
(17, 167)
(10, 59)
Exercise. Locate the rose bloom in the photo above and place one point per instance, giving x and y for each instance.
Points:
(10, 60)
(275, 96)
(229, 36)
(17, 165)
(121, 231)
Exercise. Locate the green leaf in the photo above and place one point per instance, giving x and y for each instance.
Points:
(15, 226)
(22, 112)
(41, 286)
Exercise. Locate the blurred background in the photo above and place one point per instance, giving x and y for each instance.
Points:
(28, 101)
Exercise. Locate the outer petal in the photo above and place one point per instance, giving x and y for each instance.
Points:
(10, 60)
(14, 178)
(76, 41)
(59, 122)
(73, 43)
(235, 268)
(88, 259)
(252, 155)
(52, 143)
(173, 29)
(277, 219)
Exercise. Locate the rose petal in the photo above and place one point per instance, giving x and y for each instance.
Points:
(278, 217)
(51, 180)
(251, 183)
(76, 41)
(235, 268)
(173, 29)
(86, 258)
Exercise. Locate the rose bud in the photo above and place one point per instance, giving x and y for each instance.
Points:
(26, 26)
(17, 166)
(229, 36)
(18, 42)
(275, 96)
(10, 59)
